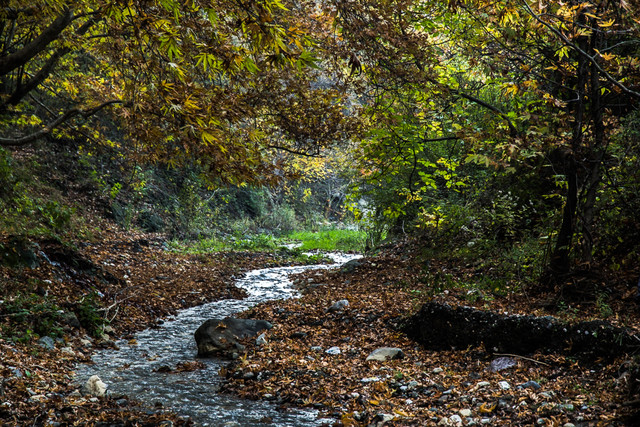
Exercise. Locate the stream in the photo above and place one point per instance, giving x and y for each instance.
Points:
(132, 369)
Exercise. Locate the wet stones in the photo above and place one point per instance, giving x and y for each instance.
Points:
(221, 337)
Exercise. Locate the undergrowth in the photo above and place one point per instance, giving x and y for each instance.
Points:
(334, 239)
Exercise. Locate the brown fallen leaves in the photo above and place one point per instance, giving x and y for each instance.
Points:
(137, 282)
(423, 388)
(141, 282)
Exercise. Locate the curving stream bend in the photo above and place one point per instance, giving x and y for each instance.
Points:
(132, 369)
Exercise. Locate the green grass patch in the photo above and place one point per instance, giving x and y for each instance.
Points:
(260, 242)
(330, 240)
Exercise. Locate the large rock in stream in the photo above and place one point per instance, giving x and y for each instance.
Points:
(220, 337)
(440, 326)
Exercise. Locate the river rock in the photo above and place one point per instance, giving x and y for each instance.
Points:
(385, 353)
(47, 343)
(530, 384)
(333, 350)
(351, 265)
(338, 306)
(221, 336)
(502, 363)
(95, 387)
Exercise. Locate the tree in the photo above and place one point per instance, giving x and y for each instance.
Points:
(512, 81)
(192, 81)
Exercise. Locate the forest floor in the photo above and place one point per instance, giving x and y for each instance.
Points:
(130, 279)
(314, 357)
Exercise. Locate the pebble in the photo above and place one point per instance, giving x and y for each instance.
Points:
(483, 384)
(485, 421)
(47, 342)
(437, 370)
(68, 350)
(569, 425)
(455, 419)
(504, 385)
(316, 348)
(385, 353)
(530, 384)
(338, 305)
(261, 340)
(15, 371)
(333, 350)
(502, 363)
(465, 412)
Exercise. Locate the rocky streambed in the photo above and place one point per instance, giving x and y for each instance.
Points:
(159, 367)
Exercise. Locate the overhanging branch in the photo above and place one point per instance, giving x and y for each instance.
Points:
(48, 35)
(27, 139)
(591, 59)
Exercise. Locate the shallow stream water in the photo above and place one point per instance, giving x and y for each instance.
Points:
(132, 369)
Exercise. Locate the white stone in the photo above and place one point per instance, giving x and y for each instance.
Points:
(333, 350)
(437, 370)
(455, 420)
(261, 340)
(483, 384)
(465, 412)
(95, 386)
(385, 353)
(504, 385)
(68, 350)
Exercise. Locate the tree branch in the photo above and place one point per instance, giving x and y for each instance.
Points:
(46, 69)
(49, 34)
(18, 142)
(292, 151)
(512, 129)
(577, 48)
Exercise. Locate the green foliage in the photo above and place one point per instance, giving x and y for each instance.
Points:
(28, 316)
(330, 240)
(55, 215)
(88, 313)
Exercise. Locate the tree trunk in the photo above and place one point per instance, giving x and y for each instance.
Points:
(594, 158)
(560, 262)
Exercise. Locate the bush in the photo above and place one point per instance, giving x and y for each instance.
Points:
(88, 314)
(30, 315)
